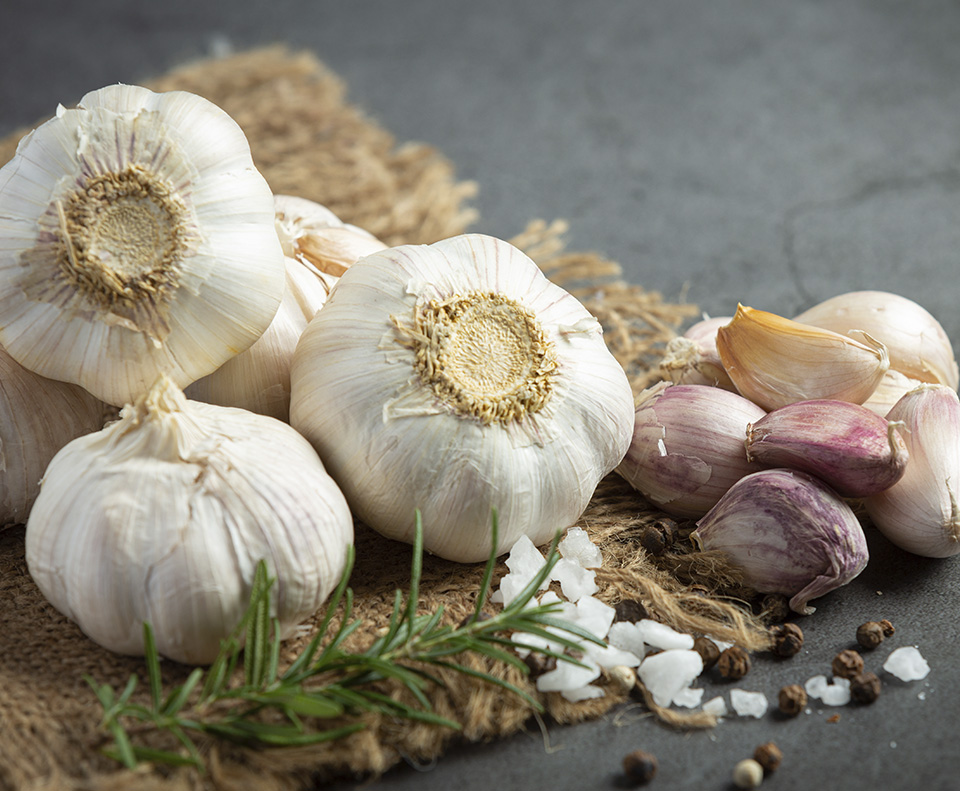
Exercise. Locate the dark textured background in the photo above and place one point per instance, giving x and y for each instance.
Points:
(770, 152)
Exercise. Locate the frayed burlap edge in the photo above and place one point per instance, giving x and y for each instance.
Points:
(308, 141)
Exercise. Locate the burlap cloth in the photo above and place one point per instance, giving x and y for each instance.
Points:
(308, 141)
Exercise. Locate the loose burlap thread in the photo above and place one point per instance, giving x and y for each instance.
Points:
(309, 141)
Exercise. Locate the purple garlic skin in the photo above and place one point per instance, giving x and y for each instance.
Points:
(789, 533)
(854, 450)
(687, 446)
(920, 513)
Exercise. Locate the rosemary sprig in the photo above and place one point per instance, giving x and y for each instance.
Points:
(318, 697)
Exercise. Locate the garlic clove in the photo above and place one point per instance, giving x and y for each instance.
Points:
(891, 389)
(455, 378)
(774, 361)
(920, 513)
(687, 447)
(693, 359)
(787, 532)
(136, 240)
(852, 449)
(163, 516)
(917, 344)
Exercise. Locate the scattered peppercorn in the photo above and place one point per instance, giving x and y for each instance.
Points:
(847, 664)
(629, 610)
(768, 756)
(887, 627)
(640, 767)
(792, 699)
(774, 608)
(708, 650)
(747, 774)
(787, 639)
(653, 540)
(733, 663)
(870, 635)
(539, 663)
(865, 687)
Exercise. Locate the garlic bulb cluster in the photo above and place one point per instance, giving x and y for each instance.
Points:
(163, 516)
(318, 248)
(38, 417)
(137, 239)
(456, 379)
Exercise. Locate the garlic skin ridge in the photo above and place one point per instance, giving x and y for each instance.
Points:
(397, 440)
(163, 516)
(137, 239)
(920, 512)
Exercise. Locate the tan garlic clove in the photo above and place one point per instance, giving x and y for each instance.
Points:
(917, 344)
(920, 512)
(854, 450)
(687, 446)
(891, 389)
(692, 358)
(774, 361)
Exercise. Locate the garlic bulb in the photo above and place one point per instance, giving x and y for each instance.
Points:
(259, 378)
(687, 446)
(163, 516)
(920, 512)
(917, 344)
(693, 359)
(854, 450)
(38, 416)
(774, 361)
(455, 378)
(787, 532)
(136, 239)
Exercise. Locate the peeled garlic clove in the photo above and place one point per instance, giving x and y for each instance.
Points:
(919, 513)
(455, 378)
(693, 359)
(164, 515)
(136, 239)
(891, 389)
(774, 361)
(788, 533)
(849, 447)
(38, 416)
(917, 344)
(687, 446)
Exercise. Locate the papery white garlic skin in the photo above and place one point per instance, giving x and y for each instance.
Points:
(920, 512)
(687, 447)
(137, 239)
(855, 451)
(455, 378)
(693, 359)
(38, 417)
(917, 344)
(164, 515)
(774, 361)
(787, 532)
(891, 389)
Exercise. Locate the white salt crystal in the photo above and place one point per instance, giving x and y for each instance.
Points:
(583, 693)
(627, 636)
(907, 664)
(550, 598)
(525, 559)
(575, 581)
(688, 697)
(610, 656)
(533, 641)
(594, 616)
(716, 706)
(815, 686)
(662, 636)
(577, 546)
(837, 693)
(748, 704)
(567, 676)
(666, 673)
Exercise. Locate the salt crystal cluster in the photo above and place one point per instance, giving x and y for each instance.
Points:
(748, 704)
(907, 664)
(835, 692)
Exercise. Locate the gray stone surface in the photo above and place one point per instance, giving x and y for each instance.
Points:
(773, 153)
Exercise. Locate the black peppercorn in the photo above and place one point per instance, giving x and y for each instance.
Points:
(887, 627)
(708, 650)
(539, 663)
(774, 608)
(865, 687)
(792, 699)
(787, 639)
(768, 756)
(733, 663)
(870, 635)
(630, 610)
(847, 664)
(640, 767)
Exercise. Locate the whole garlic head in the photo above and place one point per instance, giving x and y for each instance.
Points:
(455, 378)
(136, 240)
(163, 516)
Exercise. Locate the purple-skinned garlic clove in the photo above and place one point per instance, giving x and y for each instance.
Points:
(787, 532)
(687, 446)
(857, 452)
(920, 512)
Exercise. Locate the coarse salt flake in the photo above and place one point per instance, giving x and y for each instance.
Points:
(662, 636)
(907, 664)
(748, 704)
(575, 581)
(577, 547)
(668, 672)
(716, 706)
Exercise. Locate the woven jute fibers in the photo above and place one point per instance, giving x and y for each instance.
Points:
(308, 141)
